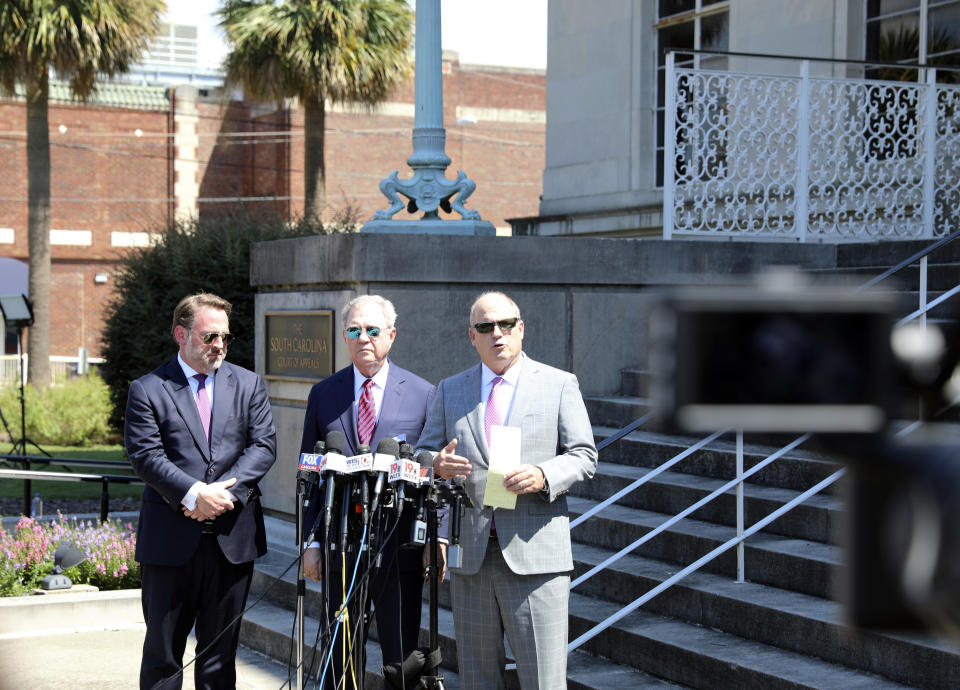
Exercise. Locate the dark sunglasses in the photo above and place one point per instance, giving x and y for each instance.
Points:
(208, 338)
(354, 332)
(506, 325)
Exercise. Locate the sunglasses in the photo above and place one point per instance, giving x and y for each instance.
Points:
(372, 332)
(506, 325)
(208, 338)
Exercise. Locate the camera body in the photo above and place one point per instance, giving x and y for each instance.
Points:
(784, 356)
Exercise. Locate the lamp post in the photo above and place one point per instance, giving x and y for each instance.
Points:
(429, 189)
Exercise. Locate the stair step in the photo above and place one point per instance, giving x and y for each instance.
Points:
(789, 620)
(267, 629)
(672, 492)
(792, 564)
(798, 470)
(703, 658)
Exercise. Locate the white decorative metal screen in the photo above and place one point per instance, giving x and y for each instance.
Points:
(809, 158)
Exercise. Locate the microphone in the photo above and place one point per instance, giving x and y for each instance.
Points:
(355, 463)
(387, 451)
(309, 472)
(418, 534)
(454, 550)
(335, 464)
(402, 472)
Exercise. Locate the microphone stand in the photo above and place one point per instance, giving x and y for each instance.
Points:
(431, 679)
(301, 582)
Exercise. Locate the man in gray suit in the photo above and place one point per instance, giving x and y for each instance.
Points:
(516, 563)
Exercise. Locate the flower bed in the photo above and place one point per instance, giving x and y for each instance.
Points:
(26, 554)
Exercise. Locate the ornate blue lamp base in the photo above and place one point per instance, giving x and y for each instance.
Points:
(431, 227)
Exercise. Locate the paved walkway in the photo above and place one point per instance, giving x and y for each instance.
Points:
(94, 642)
(107, 660)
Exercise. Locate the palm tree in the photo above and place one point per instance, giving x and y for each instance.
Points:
(79, 39)
(317, 50)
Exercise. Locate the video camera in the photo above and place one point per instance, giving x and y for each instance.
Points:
(784, 355)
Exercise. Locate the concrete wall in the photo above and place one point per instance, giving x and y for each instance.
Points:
(584, 302)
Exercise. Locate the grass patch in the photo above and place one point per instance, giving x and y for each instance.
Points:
(13, 488)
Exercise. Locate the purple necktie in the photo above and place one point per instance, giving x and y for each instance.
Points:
(494, 414)
(366, 414)
(203, 403)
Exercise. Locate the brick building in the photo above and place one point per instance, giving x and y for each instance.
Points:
(133, 158)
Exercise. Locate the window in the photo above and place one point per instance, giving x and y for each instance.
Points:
(913, 32)
(174, 46)
(908, 32)
(693, 24)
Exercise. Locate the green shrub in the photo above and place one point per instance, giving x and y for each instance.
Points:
(73, 413)
(26, 554)
(210, 255)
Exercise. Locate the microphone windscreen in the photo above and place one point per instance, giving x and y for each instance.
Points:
(335, 441)
(425, 458)
(406, 450)
(319, 447)
(389, 446)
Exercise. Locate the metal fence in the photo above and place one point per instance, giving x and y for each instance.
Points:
(819, 156)
(61, 368)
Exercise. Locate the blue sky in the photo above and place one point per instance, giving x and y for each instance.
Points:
(510, 33)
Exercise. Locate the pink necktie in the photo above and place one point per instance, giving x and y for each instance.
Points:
(494, 413)
(366, 414)
(203, 403)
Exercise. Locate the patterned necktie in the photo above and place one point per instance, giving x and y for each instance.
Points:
(494, 413)
(203, 403)
(366, 414)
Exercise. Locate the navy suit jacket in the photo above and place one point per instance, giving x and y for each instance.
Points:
(166, 444)
(406, 400)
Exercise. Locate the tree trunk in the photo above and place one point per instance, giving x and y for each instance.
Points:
(38, 226)
(314, 168)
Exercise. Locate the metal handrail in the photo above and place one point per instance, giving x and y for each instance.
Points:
(737, 481)
(104, 480)
(65, 462)
(687, 511)
(913, 259)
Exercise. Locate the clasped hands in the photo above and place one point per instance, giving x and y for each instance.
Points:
(212, 500)
(525, 479)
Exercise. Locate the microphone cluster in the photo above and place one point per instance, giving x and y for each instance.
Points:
(361, 490)
(360, 499)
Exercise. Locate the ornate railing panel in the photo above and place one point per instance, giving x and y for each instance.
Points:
(809, 158)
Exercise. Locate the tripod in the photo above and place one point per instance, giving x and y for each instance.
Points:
(20, 445)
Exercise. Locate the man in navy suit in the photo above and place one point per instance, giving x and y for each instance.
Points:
(200, 434)
(400, 402)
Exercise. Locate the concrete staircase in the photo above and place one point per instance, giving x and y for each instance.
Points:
(780, 628)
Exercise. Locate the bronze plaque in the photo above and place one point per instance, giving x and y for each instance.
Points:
(299, 344)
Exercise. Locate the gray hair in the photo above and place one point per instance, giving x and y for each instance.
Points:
(386, 306)
(492, 293)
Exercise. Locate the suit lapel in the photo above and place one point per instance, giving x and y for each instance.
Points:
(224, 391)
(471, 407)
(390, 405)
(524, 398)
(348, 418)
(179, 390)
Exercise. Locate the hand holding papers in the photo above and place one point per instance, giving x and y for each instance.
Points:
(504, 457)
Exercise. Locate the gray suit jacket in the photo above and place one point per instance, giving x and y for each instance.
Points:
(555, 435)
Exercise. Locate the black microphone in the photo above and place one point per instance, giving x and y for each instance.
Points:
(387, 451)
(418, 534)
(400, 487)
(333, 465)
(348, 486)
(454, 551)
